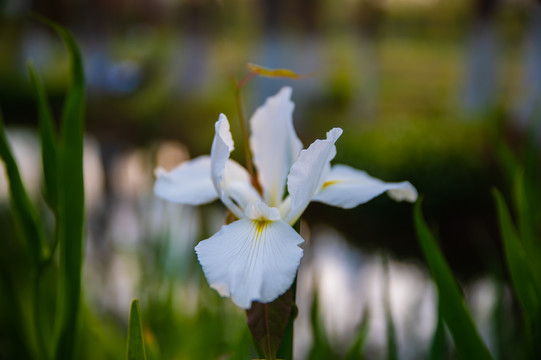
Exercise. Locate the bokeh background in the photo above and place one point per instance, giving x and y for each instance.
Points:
(425, 90)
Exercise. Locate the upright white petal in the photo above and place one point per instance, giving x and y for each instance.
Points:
(308, 172)
(188, 183)
(347, 187)
(222, 145)
(251, 260)
(274, 143)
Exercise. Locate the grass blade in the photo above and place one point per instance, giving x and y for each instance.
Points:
(136, 345)
(457, 317)
(70, 220)
(524, 201)
(438, 347)
(356, 350)
(525, 281)
(392, 347)
(48, 140)
(321, 347)
(24, 212)
(11, 313)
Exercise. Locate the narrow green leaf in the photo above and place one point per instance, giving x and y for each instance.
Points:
(392, 348)
(508, 160)
(525, 281)
(243, 348)
(321, 348)
(356, 350)
(457, 317)
(438, 347)
(268, 323)
(24, 213)
(48, 140)
(70, 219)
(13, 315)
(136, 345)
(525, 210)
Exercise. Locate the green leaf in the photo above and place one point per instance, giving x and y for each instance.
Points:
(457, 317)
(392, 349)
(285, 350)
(136, 345)
(438, 348)
(48, 140)
(525, 211)
(70, 218)
(356, 350)
(524, 278)
(321, 348)
(243, 348)
(508, 160)
(24, 213)
(268, 323)
(13, 317)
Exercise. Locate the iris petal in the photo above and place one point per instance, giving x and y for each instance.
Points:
(274, 143)
(308, 172)
(230, 180)
(347, 187)
(222, 145)
(251, 260)
(188, 183)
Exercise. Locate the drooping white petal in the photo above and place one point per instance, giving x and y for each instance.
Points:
(274, 143)
(347, 187)
(404, 191)
(251, 260)
(308, 172)
(188, 183)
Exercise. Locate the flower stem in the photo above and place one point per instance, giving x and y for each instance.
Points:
(285, 351)
(42, 348)
(245, 138)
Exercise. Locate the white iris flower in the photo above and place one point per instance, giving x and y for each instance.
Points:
(256, 257)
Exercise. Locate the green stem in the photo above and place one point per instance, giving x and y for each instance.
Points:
(42, 347)
(392, 353)
(42, 267)
(285, 351)
(245, 138)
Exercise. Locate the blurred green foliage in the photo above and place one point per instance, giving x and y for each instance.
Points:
(452, 309)
(415, 131)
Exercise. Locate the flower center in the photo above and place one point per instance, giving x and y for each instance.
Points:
(259, 227)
